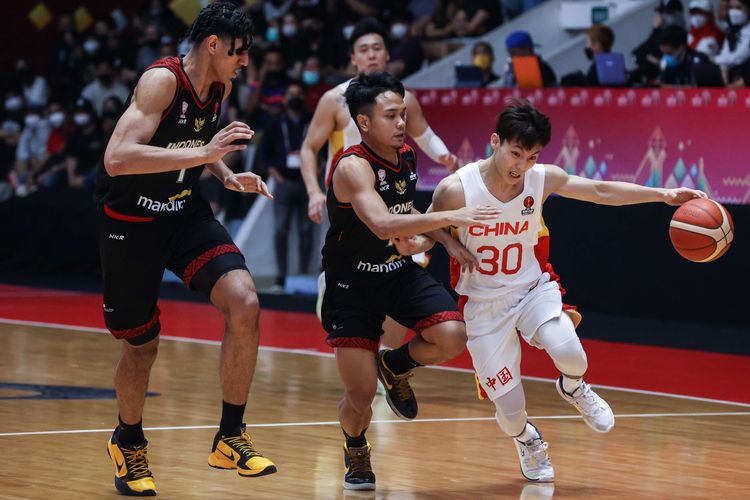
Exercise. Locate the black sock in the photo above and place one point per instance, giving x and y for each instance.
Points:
(355, 442)
(130, 434)
(399, 360)
(231, 419)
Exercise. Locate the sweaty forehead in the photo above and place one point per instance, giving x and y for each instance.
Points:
(367, 40)
(389, 100)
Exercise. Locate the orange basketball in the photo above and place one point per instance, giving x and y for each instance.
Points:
(701, 230)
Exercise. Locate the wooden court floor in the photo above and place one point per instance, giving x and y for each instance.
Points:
(661, 447)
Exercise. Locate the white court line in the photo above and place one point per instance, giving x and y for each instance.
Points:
(394, 421)
(310, 352)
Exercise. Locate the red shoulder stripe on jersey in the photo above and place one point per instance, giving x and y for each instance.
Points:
(174, 64)
(340, 154)
(127, 218)
(168, 63)
(205, 258)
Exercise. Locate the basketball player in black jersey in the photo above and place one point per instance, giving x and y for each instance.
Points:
(369, 275)
(153, 217)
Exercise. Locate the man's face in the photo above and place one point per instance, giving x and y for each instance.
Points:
(386, 122)
(512, 159)
(227, 67)
(370, 54)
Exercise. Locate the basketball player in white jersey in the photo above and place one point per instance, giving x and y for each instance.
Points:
(509, 292)
(333, 123)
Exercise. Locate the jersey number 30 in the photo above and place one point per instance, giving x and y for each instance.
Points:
(492, 264)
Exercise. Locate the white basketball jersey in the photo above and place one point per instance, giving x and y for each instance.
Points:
(505, 248)
(342, 139)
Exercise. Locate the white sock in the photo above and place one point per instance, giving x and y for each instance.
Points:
(571, 385)
(529, 434)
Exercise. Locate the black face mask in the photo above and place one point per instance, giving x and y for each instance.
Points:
(106, 80)
(589, 53)
(295, 104)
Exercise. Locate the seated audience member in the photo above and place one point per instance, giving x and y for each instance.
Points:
(647, 54)
(405, 51)
(735, 51)
(519, 43)
(681, 65)
(705, 36)
(477, 17)
(483, 57)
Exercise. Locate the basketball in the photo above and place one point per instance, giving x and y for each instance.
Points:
(701, 230)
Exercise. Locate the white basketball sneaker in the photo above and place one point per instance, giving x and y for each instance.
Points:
(535, 462)
(595, 411)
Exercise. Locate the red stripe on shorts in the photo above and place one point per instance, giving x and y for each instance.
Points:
(357, 342)
(437, 318)
(204, 259)
(138, 330)
(127, 218)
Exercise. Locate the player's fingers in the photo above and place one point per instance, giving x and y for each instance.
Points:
(234, 182)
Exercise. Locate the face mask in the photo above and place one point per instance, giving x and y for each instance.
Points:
(13, 103)
(482, 61)
(272, 34)
(697, 20)
(289, 30)
(91, 46)
(81, 119)
(296, 104)
(668, 61)
(310, 77)
(56, 119)
(589, 53)
(737, 17)
(31, 120)
(347, 31)
(398, 31)
(105, 79)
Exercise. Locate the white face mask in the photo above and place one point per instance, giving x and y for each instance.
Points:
(289, 30)
(398, 31)
(737, 17)
(81, 119)
(90, 46)
(347, 31)
(56, 119)
(31, 120)
(13, 103)
(697, 20)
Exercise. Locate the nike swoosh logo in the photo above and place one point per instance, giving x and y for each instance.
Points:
(121, 469)
(230, 456)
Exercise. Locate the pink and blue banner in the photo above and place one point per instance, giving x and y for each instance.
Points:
(699, 138)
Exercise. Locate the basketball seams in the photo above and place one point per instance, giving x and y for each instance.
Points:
(715, 232)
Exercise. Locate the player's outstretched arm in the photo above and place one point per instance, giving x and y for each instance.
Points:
(556, 180)
(320, 129)
(128, 151)
(427, 140)
(354, 181)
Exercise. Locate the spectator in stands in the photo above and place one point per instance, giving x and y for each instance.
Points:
(32, 147)
(483, 57)
(599, 40)
(35, 88)
(293, 45)
(275, 9)
(722, 16)
(704, 36)
(149, 50)
(683, 66)
(267, 97)
(477, 17)
(735, 50)
(519, 43)
(647, 54)
(279, 154)
(315, 85)
(105, 85)
(405, 51)
(441, 27)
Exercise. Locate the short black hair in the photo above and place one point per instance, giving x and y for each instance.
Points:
(367, 26)
(222, 19)
(674, 36)
(522, 122)
(362, 90)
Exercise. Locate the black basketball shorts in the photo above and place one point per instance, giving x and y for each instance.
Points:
(353, 314)
(135, 252)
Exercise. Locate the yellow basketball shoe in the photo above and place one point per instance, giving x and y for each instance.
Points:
(238, 452)
(132, 476)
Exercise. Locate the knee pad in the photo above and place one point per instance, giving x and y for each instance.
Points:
(510, 411)
(559, 339)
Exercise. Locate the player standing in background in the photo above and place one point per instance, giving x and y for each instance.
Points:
(509, 291)
(153, 217)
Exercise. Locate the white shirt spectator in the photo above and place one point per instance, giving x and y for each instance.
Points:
(96, 93)
(741, 53)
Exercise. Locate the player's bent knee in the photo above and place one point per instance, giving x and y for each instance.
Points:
(450, 337)
(121, 327)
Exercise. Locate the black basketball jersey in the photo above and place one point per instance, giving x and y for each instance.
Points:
(351, 248)
(186, 123)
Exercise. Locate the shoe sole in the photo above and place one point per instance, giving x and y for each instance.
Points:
(590, 426)
(359, 487)
(268, 470)
(551, 480)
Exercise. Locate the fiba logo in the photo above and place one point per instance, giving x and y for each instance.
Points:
(183, 119)
(528, 202)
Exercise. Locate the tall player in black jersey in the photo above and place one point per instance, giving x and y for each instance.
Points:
(373, 223)
(153, 217)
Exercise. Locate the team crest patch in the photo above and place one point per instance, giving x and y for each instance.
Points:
(401, 186)
(381, 176)
(199, 122)
(183, 119)
(528, 202)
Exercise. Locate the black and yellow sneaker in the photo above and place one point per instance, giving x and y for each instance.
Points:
(237, 452)
(358, 475)
(132, 476)
(398, 392)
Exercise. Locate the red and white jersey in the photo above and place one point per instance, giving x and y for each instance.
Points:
(505, 248)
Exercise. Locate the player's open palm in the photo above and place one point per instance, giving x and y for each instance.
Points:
(223, 142)
(470, 216)
(682, 195)
(247, 182)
